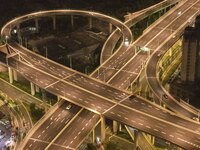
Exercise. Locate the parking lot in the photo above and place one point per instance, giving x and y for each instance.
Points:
(5, 134)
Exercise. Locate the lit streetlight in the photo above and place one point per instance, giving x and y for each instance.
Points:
(126, 42)
(7, 38)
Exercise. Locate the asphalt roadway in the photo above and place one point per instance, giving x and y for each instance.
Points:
(170, 140)
(152, 67)
(115, 111)
(51, 127)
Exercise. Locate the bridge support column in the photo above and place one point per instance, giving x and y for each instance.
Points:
(170, 52)
(152, 139)
(103, 128)
(146, 91)
(58, 98)
(37, 89)
(72, 21)
(148, 20)
(159, 14)
(93, 136)
(32, 88)
(70, 60)
(18, 32)
(90, 23)
(179, 148)
(180, 41)
(164, 10)
(44, 96)
(120, 127)
(110, 28)
(15, 75)
(136, 139)
(54, 22)
(115, 126)
(37, 25)
(10, 73)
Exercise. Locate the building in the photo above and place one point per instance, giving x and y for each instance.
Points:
(187, 85)
(190, 68)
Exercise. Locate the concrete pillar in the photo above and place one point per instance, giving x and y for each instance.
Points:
(37, 25)
(54, 22)
(110, 28)
(152, 139)
(37, 89)
(159, 14)
(164, 10)
(10, 73)
(15, 75)
(146, 91)
(170, 52)
(44, 95)
(115, 126)
(179, 148)
(19, 37)
(32, 88)
(90, 23)
(72, 21)
(136, 139)
(26, 42)
(103, 128)
(147, 23)
(93, 136)
(120, 127)
(138, 82)
(18, 32)
(148, 20)
(149, 137)
(58, 98)
(161, 65)
(180, 42)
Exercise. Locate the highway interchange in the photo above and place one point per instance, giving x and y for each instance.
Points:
(114, 101)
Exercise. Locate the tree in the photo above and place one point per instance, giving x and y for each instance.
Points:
(90, 146)
(36, 113)
(111, 145)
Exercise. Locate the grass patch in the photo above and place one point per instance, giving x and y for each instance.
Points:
(4, 76)
(24, 87)
(170, 71)
(124, 135)
(36, 113)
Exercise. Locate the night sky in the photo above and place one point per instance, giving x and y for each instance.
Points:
(116, 8)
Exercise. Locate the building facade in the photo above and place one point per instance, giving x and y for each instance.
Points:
(190, 68)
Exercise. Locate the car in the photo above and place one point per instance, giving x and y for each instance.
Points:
(132, 97)
(159, 55)
(6, 123)
(195, 118)
(68, 107)
(2, 134)
(165, 96)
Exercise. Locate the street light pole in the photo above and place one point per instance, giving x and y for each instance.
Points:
(188, 100)
(70, 61)
(161, 100)
(6, 39)
(46, 51)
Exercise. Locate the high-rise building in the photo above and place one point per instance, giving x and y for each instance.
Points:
(190, 68)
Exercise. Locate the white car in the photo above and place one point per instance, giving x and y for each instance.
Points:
(69, 106)
(2, 134)
(195, 118)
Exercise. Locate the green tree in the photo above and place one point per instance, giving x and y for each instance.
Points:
(90, 146)
(36, 113)
(111, 145)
